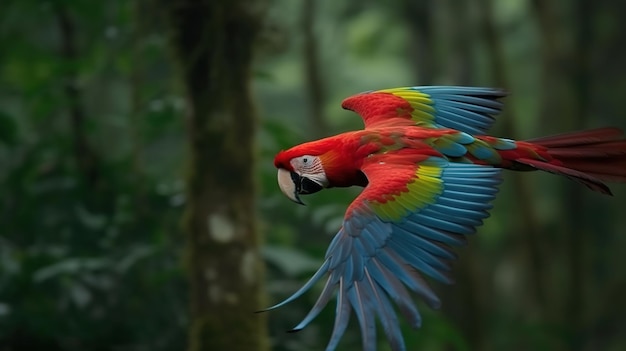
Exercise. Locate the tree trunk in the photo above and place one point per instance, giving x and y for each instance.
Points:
(316, 93)
(213, 42)
(565, 83)
(417, 15)
(576, 232)
(462, 36)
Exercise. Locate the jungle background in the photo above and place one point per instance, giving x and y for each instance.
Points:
(138, 201)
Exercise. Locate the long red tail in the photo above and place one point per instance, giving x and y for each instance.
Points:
(591, 157)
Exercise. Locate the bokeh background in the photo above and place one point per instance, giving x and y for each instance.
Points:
(95, 160)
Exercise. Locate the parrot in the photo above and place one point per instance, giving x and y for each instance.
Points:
(429, 172)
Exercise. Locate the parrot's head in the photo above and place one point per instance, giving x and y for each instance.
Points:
(300, 173)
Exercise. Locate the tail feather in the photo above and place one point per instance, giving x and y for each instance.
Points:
(590, 157)
(585, 137)
(609, 168)
(607, 149)
(586, 179)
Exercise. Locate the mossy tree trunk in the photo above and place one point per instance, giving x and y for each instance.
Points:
(213, 44)
(313, 70)
(418, 16)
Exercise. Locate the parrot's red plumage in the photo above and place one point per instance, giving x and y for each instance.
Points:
(429, 171)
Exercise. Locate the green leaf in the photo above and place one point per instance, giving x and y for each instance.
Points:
(69, 266)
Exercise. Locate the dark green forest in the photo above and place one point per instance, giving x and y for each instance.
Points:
(139, 209)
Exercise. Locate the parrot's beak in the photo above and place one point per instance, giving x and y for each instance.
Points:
(292, 185)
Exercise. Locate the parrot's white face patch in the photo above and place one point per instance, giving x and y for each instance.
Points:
(310, 167)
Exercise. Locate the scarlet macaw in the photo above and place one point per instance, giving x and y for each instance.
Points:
(429, 173)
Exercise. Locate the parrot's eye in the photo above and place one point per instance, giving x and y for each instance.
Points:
(304, 162)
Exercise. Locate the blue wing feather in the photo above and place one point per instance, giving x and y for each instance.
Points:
(447, 114)
(372, 261)
(482, 104)
(468, 109)
(434, 248)
(321, 302)
(398, 292)
(342, 317)
(386, 314)
(448, 238)
(362, 305)
(462, 105)
(439, 215)
(417, 262)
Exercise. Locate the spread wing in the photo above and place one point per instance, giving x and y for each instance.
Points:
(401, 227)
(468, 109)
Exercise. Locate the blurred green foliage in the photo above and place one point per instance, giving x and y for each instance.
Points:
(90, 239)
(87, 258)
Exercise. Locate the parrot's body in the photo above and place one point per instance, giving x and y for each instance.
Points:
(429, 173)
